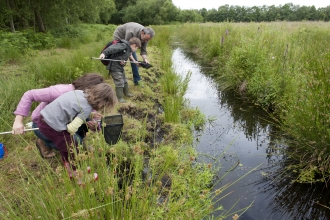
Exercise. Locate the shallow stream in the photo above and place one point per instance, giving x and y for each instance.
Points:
(240, 140)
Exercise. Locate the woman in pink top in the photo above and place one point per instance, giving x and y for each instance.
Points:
(46, 96)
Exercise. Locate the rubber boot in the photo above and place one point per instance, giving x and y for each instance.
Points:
(45, 151)
(126, 92)
(120, 93)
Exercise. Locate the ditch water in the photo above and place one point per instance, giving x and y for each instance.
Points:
(241, 140)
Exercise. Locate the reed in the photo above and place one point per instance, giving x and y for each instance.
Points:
(280, 66)
(135, 180)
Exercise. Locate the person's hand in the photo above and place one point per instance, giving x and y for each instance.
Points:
(92, 125)
(102, 56)
(18, 126)
(145, 60)
(96, 115)
(122, 62)
(136, 62)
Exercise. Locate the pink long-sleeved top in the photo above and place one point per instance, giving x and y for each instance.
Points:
(44, 96)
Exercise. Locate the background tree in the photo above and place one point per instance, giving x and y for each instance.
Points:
(286, 11)
(324, 14)
(42, 15)
(7, 14)
(212, 16)
(168, 12)
(223, 12)
(203, 12)
(145, 12)
(312, 13)
(190, 16)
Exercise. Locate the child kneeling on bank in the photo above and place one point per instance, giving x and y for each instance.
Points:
(121, 52)
(60, 119)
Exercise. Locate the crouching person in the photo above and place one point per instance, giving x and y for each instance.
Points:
(120, 52)
(60, 119)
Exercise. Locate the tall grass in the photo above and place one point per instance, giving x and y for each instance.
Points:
(307, 118)
(125, 189)
(19, 45)
(135, 181)
(283, 67)
(53, 67)
(12, 89)
(173, 86)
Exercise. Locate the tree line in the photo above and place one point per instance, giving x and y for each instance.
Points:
(44, 14)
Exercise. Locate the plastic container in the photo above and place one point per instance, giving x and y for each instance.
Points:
(2, 151)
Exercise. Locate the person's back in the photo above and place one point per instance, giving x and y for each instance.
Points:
(116, 67)
(46, 96)
(62, 110)
(61, 119)
(121, 51)
(54, 91)
(127, 31)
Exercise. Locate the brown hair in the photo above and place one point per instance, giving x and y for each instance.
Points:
(136, 41)
(101, 96)
(90, 79)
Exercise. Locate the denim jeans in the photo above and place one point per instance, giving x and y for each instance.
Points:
(78, 136)
(135, 70)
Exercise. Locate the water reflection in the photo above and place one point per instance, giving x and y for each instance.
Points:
(241, 138)
(294, 200)
(253, 120)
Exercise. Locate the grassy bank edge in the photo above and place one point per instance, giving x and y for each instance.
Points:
(36, 188)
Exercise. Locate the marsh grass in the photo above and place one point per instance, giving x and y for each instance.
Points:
(282, 67)
(135, 180)
(64, 66)
(173, 85)
(50, 67)
(307, 119)
(123, 189)
(12, 86)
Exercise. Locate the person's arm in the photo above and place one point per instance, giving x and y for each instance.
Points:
(73, 126)
(24, 106)
(144, 57)
(18, 126)
(34, 95)
(144, 52)
(113, 49)
(131, 58)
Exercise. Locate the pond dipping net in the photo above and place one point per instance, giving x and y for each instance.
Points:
(111, 128)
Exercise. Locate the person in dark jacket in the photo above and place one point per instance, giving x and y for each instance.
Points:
(133, 29)
(120, 52)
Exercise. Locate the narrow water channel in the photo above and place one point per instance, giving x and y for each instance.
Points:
(240, 140)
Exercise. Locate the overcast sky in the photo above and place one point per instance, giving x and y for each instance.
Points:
(209, 4)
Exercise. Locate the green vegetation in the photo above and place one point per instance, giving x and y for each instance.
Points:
(20, 45)
(282, 67)
(42, 15)
(150, 173)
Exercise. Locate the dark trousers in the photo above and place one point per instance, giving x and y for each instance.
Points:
(135, 70)
(62, 140)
